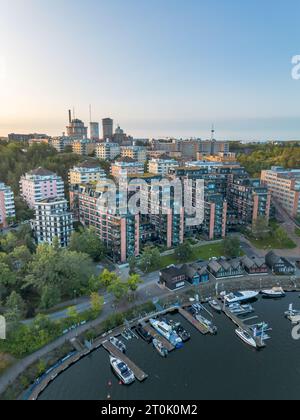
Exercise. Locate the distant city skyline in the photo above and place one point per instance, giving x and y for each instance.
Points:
(159, 69)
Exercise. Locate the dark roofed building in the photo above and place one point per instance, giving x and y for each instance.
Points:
(254, 265)
(222, 268)
(173, 278)
(279, 265)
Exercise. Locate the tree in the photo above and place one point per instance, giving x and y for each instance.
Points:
(72, 313)
(150, 259)
(260, 228)
(133, 283)
(88, 242)
(15, 307)
(97, 302)
(50, 297)
(184, 252)
(118, 289)
(132, 264)
(107, 278)
(232, 247)
(281, 236)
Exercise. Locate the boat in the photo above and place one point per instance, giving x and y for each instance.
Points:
(246, 337)
(166, 331)
(207, 324)
(240, 297)
(182, 333)
(293, 315)
(260, 330)
(144, 334)
(275, 293)
(158, 345)
(118, 344)
(122, 371)
(237, 309)
(215, 305)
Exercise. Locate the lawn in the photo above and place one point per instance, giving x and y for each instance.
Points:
(204, 253)
(271, 241)
(297, 231)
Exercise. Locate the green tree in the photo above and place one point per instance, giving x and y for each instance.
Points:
(97, 302)
(260, 228)
(133, 283)
(88, 242)
(118, 289)
(15, 307)
(107, 278)
(150, 259)
(232, 247)
(72, 313)
(184, 252)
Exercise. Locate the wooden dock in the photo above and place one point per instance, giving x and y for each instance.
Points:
(155, 334)
(237, 321)
(138, 373)
(189, 317)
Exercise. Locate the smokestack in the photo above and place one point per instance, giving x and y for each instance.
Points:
(70, 116)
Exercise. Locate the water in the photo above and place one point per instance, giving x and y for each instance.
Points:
(208, 367)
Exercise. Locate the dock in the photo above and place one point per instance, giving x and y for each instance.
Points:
(189, 317)
(237, 321)
(138, 373)
(155, 334)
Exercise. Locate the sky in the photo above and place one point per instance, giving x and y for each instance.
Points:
(157, 67)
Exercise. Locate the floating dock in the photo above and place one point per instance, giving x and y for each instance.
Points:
(189, 317)
(138, 373)
(155, 334)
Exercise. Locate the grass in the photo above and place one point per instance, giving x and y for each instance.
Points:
(6, 360)
(204, 253)
(297, 231)
(271, 241)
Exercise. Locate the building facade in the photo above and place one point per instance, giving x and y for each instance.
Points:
(7, 205)
(108, 151)
(162, 166)
(134, 152)
(84, 147)
(107, 129)
(86, 173)
(125, 167)
(40, 184)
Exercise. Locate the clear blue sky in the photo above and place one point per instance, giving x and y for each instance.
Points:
(158, 67)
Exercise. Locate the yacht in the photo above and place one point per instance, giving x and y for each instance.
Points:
(275, 293)
(207, 324)
(237, 309)
(122, 370)
(118, 344)
(144, 334)
(158, 345)
(240, 297)
(166, 331)
(246, 337)
(215, 305)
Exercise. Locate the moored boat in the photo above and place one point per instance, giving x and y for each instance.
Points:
(122, 371)
(240, 297)
(275, 293)
(214, 304)
(118, 344)
(207, 324)
(161, 349)
(166, 331)
(293, 315)
(144, 334)
(246, 337)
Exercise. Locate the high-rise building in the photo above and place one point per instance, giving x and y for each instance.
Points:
(94, 131)
(284, 185)
(7, 204)
(53, 220)
(108, 129)
(40, 184)
(76, 128)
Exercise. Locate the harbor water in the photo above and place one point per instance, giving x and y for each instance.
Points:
(207, 367)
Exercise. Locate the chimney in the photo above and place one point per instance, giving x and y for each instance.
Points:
(70, 116)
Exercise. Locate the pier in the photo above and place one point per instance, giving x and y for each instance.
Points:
(189, 317)
(138, 373)
(237, 321)
(155, 334)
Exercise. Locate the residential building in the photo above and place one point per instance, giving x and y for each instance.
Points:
(255, 265)
(53, 220)
(279, 265)
(284, 185)
(7, 204)
(86, 173)
(127, 166)
(25, 137)
(108, 151)
(40, 184)
(162, 166)
(138, 153)
(84, 147)
(175, 277)
(221, 268)
(60, 143)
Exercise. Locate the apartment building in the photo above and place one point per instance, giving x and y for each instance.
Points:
(84, 147)
(127, 166)
(162, 166)
(39, 185)
(108, 151)
(7, 204)
(86, 173)
(284, 185)
(138, 153)
(53, 220)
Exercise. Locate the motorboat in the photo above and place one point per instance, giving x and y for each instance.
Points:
(166, 331)
(207, 324)
(122, 371)
(161, 349)
(246, 337)
(144, 334)
(240, 297)
(293, 315)
(275, 293)
(118, 344)
(214, 304)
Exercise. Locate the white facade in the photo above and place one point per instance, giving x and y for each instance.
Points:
(86, 175)
(161, 166)
(108, 151)
(53, 220)
(7, 204)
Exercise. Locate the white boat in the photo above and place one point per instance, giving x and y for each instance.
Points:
(122, 371)
(293, 315)
(275, 293)
(207, 324)
(240, 297)
(158, 345)
(246, 337)
(215, 305)
(118, 344)
(166, 331)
